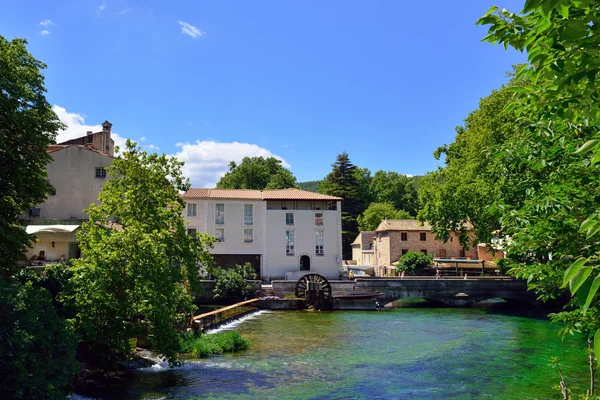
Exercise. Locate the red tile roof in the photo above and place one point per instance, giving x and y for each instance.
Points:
(56, 147)
(249, 194)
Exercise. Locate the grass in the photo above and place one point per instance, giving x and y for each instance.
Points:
(203, 345)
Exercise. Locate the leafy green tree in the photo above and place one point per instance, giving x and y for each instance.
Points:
(257, 173)
(27, 126)
(311, 186)
(342, 182)
(397, 189)
(555, 218)
(37, 347)
(414, 263)
(463, 190)
(232, 283)
(137, 265)
(377, 212)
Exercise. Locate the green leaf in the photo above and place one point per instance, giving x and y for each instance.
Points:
(596, 158)
(530, 5)
(592, 231)
(591, 294)
(587, 224)
(564, 11)
(573, 270)
(583, 292)
(579, 279)
(590, 145)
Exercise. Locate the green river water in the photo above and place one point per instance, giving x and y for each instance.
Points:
(404, 353)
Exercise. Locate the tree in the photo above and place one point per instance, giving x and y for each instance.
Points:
(397, 189)
(27, 126)
(377, 212)
(414, 262)
(37, 347)
(555, 219)
(342, 182)
(462, 191)
(138, 266)
(257, 173)
(311, 186)
(232, 283)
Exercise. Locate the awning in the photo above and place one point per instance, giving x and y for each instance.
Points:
(31, 229)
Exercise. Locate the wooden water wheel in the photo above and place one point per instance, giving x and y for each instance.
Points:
(313, 282)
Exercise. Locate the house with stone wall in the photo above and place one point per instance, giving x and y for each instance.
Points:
(395, 237)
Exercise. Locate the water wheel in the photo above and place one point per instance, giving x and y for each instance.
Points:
(313, 282)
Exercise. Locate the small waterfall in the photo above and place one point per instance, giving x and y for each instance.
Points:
(235, 322)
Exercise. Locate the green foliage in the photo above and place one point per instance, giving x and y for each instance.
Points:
(257, 173)
(232, 283)
(311, 186)
(37, 347)
(206, 345)
(27, 126)
(377, 212)
(414, 263)
(397, 189)
(461, 192)
(138, 264)
(342, 182)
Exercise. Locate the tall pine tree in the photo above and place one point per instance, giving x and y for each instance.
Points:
(342, 182)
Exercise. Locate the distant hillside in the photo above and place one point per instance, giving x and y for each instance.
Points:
(311, 186)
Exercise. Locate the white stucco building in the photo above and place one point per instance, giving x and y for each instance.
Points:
(77, 172)
(283, 233)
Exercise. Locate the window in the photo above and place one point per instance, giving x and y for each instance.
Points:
(192, 209)
(289, 243)
(192, 231)
(404, 251)
(318, 218)
(248, 214)
(220, 234)
(461, 253)
(442, 253)
(248, 235)
(404, 236)
(100, 172)
(319, 242)
(53, 192)
(289, 218)
(424, 251)
(423, 236)
(219, 214)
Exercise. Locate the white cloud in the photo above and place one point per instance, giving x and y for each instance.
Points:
(44, 32)
(191, 31)
(46, 23)
(76, 127)
(124, 11)
(102, 7)
(207, 161)
(142, 138)
(153, 147)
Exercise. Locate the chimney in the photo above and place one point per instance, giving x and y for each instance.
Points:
(90, 133)
(106, 127)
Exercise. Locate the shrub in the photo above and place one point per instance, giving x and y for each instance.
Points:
(203, 345)
(414, 263)
(232, 283)
(37, 347)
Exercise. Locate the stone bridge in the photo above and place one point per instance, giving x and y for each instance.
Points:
(450, 290)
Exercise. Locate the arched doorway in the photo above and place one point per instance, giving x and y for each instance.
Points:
(304, 263)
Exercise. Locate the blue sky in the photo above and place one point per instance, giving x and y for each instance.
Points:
(212, 81)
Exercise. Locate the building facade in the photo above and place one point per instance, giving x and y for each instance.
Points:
(284, 233)
(394, 238)
(77, 172)
(362, 249)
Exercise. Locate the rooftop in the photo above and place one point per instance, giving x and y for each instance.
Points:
(402, 225)
(57, 147)
(250, 194)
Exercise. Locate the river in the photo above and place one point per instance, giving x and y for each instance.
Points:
(404, 353)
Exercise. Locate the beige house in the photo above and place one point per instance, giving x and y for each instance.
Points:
(77, 172)
(362, 249)
(394, 238)
(284, 233)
